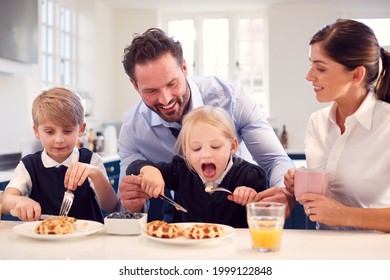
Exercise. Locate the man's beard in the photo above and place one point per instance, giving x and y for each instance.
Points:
(177, 115)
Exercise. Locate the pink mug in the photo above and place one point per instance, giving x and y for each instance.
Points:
(310, 180)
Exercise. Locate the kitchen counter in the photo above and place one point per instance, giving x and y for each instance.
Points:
(296, 245)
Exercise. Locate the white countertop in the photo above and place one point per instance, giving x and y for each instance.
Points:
(296, 245)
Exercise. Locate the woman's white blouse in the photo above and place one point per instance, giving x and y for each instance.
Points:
(359, 159)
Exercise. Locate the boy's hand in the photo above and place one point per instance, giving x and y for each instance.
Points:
(76, 174)
(243, 195)
(152, 181)
(27, 209)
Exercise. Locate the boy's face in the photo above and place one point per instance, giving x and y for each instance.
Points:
(58, 141)
(209, 151)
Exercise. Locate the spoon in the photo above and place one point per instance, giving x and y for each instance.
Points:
(210, 189)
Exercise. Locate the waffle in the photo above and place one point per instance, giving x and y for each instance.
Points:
(162, 229)
(60, 225)
(202, 231)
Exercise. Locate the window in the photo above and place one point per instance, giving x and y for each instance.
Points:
(381, 29)
(230, 47)
(57, 49)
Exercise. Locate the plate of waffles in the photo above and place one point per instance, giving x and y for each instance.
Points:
(74, 229)
(186, 233)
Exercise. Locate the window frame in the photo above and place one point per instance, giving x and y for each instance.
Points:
(233, 18)
(56, 77)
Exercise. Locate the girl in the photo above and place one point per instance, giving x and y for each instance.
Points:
(207, 143)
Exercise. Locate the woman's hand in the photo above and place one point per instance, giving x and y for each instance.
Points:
(320, 208)
(289, 180)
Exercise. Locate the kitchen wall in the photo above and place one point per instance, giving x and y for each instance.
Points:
(104, 32)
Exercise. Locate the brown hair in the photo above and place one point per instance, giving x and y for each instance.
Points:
(352, 44)
(149, 46)
(58, 105)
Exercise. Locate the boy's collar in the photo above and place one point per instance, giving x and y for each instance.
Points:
(49, 162)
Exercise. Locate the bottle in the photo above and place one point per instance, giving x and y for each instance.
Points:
(99, 142)
(91, 140)
(284, 138)
(110, 140)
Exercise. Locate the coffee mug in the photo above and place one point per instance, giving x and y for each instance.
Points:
(310, 180)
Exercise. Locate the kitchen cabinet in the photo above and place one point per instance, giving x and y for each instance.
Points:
(113, 169)
(3, 185)
(3, 216)
(298, 219)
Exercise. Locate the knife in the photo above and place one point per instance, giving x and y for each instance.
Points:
(42, 217)
(173, 203)
(48, 216)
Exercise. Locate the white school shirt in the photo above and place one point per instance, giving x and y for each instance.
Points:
(358, 160)
(21, 179)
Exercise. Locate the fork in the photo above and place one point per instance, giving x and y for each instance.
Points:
(211, 189)
(67, 202)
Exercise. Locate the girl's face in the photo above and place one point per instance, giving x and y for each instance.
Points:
(331, 80)
(209, 151)
(58, 141)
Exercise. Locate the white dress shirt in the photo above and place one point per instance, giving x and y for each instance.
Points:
(359, 159)
(21, 179)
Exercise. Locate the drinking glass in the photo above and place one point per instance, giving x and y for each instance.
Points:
(266, 221)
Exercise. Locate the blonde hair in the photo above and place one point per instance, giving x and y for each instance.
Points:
(213, 117)
(58, 105)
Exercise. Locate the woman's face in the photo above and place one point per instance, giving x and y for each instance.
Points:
(209, 151)
(331, 80)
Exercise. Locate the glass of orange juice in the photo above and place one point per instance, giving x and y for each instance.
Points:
(266, 221)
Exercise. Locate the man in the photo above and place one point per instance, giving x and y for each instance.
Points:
(155, 65)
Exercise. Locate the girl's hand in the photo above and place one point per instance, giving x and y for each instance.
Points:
(152, 181)
(243, 195)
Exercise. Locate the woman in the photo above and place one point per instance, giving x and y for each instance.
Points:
(351, 137)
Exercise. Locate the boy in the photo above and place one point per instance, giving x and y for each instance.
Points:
(40, 179)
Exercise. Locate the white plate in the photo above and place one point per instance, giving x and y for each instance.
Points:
(181, 240)
(83, 228)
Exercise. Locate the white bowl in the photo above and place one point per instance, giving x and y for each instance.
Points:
(125, 226)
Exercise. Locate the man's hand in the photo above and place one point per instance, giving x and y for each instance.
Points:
(131, 195)
(277, 194)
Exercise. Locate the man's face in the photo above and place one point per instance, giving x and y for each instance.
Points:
(163, 87)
